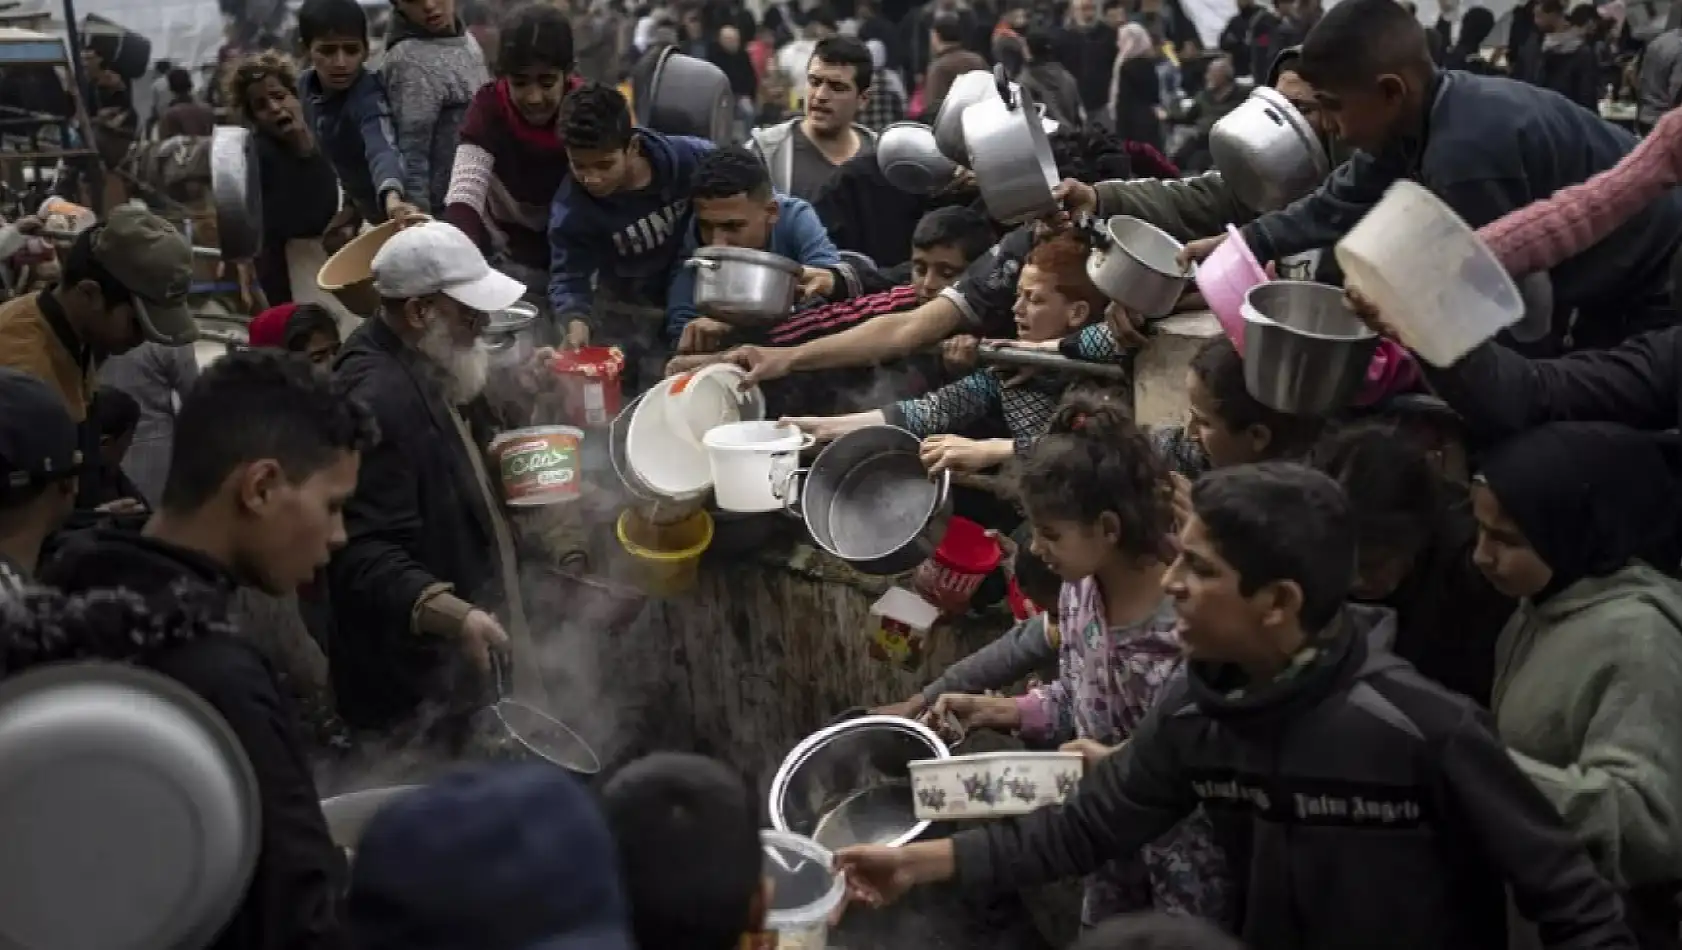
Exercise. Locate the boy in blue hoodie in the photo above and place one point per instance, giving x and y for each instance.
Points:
(618, 224)
(346, 108)
(735, 207)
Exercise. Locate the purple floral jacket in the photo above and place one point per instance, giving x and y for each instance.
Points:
(1108, 679)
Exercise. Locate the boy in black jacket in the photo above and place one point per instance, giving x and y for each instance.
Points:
(1365, 806)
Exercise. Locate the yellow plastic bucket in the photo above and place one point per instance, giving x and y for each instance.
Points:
(667, 556)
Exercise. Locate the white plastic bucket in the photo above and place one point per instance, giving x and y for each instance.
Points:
(752, 463)
(671, 465)
(1433, 280)
(805, 890)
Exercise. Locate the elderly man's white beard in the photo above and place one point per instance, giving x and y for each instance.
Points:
(464, 369)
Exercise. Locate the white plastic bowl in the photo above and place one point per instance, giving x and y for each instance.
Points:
(800, 903)
(664, 458)
(709, 397)
(1433, 280)
(753, 463)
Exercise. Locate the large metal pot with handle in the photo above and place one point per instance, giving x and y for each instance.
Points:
(1268, 152)
(688, 96)
(1136, 264)
(1011, 156)
(867, 500)
(975, 86)
(850, 782)
(236, 192)
(744, 287)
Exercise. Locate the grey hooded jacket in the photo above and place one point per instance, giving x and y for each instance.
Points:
(774, 144)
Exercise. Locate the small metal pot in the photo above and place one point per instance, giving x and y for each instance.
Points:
(236, 192)
(688, 96)
(1305, 352)
(867, 500)
(743, 287)
(1268, 152)
(910, 160)
(1011, 157)
(975, 86)
(1137, 265)
(511, 336)
(850, 782)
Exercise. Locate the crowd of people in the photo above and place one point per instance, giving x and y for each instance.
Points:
(1403, 675)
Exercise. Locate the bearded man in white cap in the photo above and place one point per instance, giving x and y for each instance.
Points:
(424, 592)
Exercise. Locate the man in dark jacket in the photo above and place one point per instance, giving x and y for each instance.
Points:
(1486, 146)
(267, 452)
(1366, 806)
(1086, 46)
(428, 556)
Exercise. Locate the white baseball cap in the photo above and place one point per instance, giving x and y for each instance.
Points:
(436, 258)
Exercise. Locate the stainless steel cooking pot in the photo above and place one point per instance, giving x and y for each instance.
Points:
(850, 782)
(688, 96)
(743, 287)
(1268, 152)
(511, 336)
(1011, 157)
(867, 500)
(911, 161)
(130, 811)
(1305, 352)
(977, 85)
(1136, 264)
(236, 192)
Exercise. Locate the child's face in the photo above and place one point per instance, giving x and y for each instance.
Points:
(1218, 622)
(934, 268)
(1503, 554)
(1225, 446)
(1364, 116)
(537, 94)
(336, 60)
(112, 448)
(601, 172)
(1042, 312)
(1074, 550)
(433, 16)
(321, 348)
(276, 110)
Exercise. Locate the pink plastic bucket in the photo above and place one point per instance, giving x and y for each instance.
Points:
(1224, 278)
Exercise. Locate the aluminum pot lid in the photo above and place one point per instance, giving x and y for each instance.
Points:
(1299, 125)
(236, 191)
(747, 255)
(512, 320)
(129, 811)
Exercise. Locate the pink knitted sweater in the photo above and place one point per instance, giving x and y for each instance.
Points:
(1543, 233)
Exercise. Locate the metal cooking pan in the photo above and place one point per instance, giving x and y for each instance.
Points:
(867, 500)
(688, 96)
(236, 191)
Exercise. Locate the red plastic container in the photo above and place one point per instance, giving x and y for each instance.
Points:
(965, 556)
(589, 381)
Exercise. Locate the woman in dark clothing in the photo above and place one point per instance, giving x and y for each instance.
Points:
(1135, 90)
(1416, 534)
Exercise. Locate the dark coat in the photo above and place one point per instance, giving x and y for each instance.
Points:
(418, 519)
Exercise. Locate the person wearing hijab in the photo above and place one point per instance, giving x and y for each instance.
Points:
(1580, 522)
(1135, 90)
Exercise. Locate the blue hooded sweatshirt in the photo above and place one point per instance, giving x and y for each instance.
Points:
(798, 235)
(355, 131)
(630, 238)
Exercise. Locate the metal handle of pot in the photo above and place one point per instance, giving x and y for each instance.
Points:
(1003, 80)
(789, 492)
(1097, 232)
(502, 675)
(701, 263)
(945, 490)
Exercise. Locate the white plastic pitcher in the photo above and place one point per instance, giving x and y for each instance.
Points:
(800, 920)
(1433, 280)
(752, 464)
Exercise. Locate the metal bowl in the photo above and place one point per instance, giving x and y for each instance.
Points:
(1137, 265)
(236, 192)
(348, 815)
(511, 336)
(1268, 152)
(911, 161)
(128, 808)
(977, 85)
(850, 783)
(688, 96)
(868, 500)
(1305, 352)
(743, 287)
